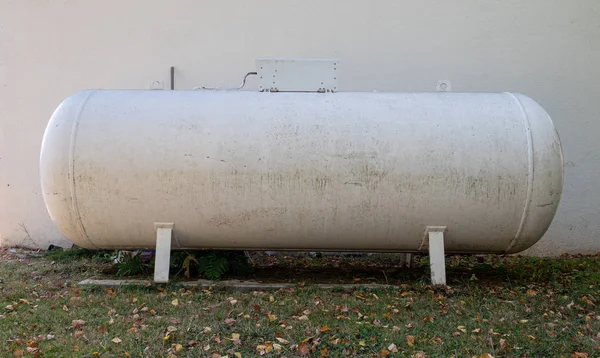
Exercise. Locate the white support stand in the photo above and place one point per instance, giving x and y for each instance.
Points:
(434, 238)
(164, 234)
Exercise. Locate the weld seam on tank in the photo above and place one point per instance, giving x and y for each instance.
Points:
(71, 175)
(530, 172)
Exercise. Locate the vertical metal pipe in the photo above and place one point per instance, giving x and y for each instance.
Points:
(172, 78)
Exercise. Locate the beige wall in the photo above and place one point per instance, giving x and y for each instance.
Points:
(548, 50)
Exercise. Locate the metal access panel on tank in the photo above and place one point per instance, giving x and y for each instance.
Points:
(297, 75)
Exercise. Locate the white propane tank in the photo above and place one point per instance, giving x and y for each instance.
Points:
(302, 171)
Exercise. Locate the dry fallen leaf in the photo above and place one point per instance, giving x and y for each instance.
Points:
(579, 355)
(303, 349)
(33, 350)
(272, 317)
(78, 333)
(410, 340)
(282, 341)
(175, 302)
(116, 340)
(303, 318)
(307, 339)
(325, 329)
(77, 322)
(230, 321)
(261, 348)
(393, 348)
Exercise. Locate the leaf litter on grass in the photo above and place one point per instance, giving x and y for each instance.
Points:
(514, 310)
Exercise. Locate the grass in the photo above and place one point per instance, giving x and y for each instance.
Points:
(501, 306)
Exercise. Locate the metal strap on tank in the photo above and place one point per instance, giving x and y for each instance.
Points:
(75, 206)
(530, 172)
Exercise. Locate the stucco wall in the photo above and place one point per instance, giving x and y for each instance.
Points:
(548, 50)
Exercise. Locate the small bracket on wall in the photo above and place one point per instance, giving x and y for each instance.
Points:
(443, 86)
(157, 85)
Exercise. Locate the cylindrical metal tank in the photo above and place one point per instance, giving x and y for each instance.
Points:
(302, 171)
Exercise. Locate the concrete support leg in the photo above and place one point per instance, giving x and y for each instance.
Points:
(164, 234)
(437, 257)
